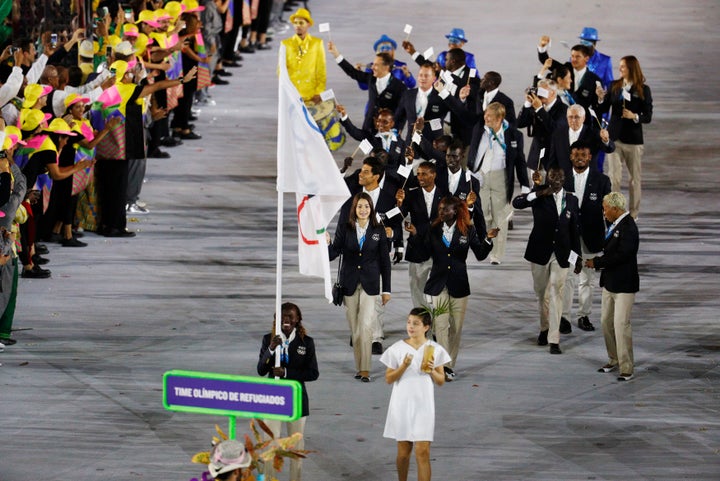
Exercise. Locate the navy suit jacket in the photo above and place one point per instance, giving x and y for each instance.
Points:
(540, 126)
(414, 204)
(366, 266)
(560, 147)
(551, 233)
(406, 113)
(585, 93)
(626, 130)
(396, 153)
(592, 221)
(619, 260)
(386, 202)
(389, 98)
(449, 267)
(471, 112)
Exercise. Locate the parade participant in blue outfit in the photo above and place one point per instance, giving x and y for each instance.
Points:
(456, 39)
(599, 63)
(399, 69)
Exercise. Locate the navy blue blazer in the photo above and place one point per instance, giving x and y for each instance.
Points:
(626, 130)
(560, 147)
(551, 233)
(449, 267)
(471, 112)
(396, 152)
(585, 93)
(406, 113)
(592, 221)
(301, 365)
(540, 126)
(366, 266)
(414, 204)
(514, 156)
(619, 260)
(389, 98)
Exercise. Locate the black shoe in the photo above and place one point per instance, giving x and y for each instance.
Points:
(119, 233)
(170, 141)
(158, 154)
(377, 347)
(358, 376)
(262, 46)
(585, 324)
(223, 73)
(237, 57)
(608, 368)
(511, 226)
(190, 136)
(218, 81)
(246, 49)
(555, 349)
(565, 326)
(192, 118)
(7, 341)
(449, 374)
(41, 249)
(231, 64)
(35, 273)
(542, 338)
(54, 238)
(39, 260)
(72, 242)
(625, 377)
(78, 235)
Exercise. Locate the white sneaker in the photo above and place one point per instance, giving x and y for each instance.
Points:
(140, 203)
(136, 209)
(2, 348)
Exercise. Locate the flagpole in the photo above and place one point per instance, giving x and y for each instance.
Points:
(279, 231)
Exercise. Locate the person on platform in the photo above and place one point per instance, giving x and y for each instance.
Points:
(620, 281)
(298, 363)
(411, 412)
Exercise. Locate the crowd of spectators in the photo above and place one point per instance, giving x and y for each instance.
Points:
(91, 90)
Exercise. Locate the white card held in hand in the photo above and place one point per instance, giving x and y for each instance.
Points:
(626, 95)
(395, 211)
(592, 112)
(408, 28)
(542, 153)
(446, 76)
(366, 146)
(324, 27)
(468, 176)
(416, 138)
(452, 88)
(572, 258)
(404, 170)
(327, 95)
(436, 124)
(428, 53)
(544, 93)
(378, 217)
(473, 72)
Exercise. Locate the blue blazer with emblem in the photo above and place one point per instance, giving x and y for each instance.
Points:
(365, 266)
(592, 221)
(619, 260)
(551, 233)
(449, 267)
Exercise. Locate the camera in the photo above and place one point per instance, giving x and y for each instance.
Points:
(531, 91)
(53, 39)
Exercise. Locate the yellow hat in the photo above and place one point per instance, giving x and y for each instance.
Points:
(30, 119)
(59, 126)
(74, 98)
(141, 43)
(174, 9)
(86, 49)
(192, 6)
(162, 14)
(130, 30)
(148, 16)
(302, 13)
(33, 92)
(13, 136)
(120, 67)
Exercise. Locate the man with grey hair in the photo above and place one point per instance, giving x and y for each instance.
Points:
(541, 113)
(576, 130)
(620, 281)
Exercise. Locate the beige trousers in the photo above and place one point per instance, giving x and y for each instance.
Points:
(496, 209)
(549, 282)
(617, 329)
(448, 326)
(584, 283)
(419, 272)
(630, 155)
(361, 316)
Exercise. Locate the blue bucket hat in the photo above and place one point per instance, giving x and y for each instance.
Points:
(590, 34)
(384, 39)
(457, 34)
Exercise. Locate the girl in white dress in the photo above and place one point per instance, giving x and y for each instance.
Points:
(411, 413)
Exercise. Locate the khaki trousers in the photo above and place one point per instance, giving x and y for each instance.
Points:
(549, 281)
(448, 326)
(496, 209)
(297, 426)
(630, 155)
(617, 329)
(361, 317)
(419, 272)
(584, 283)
